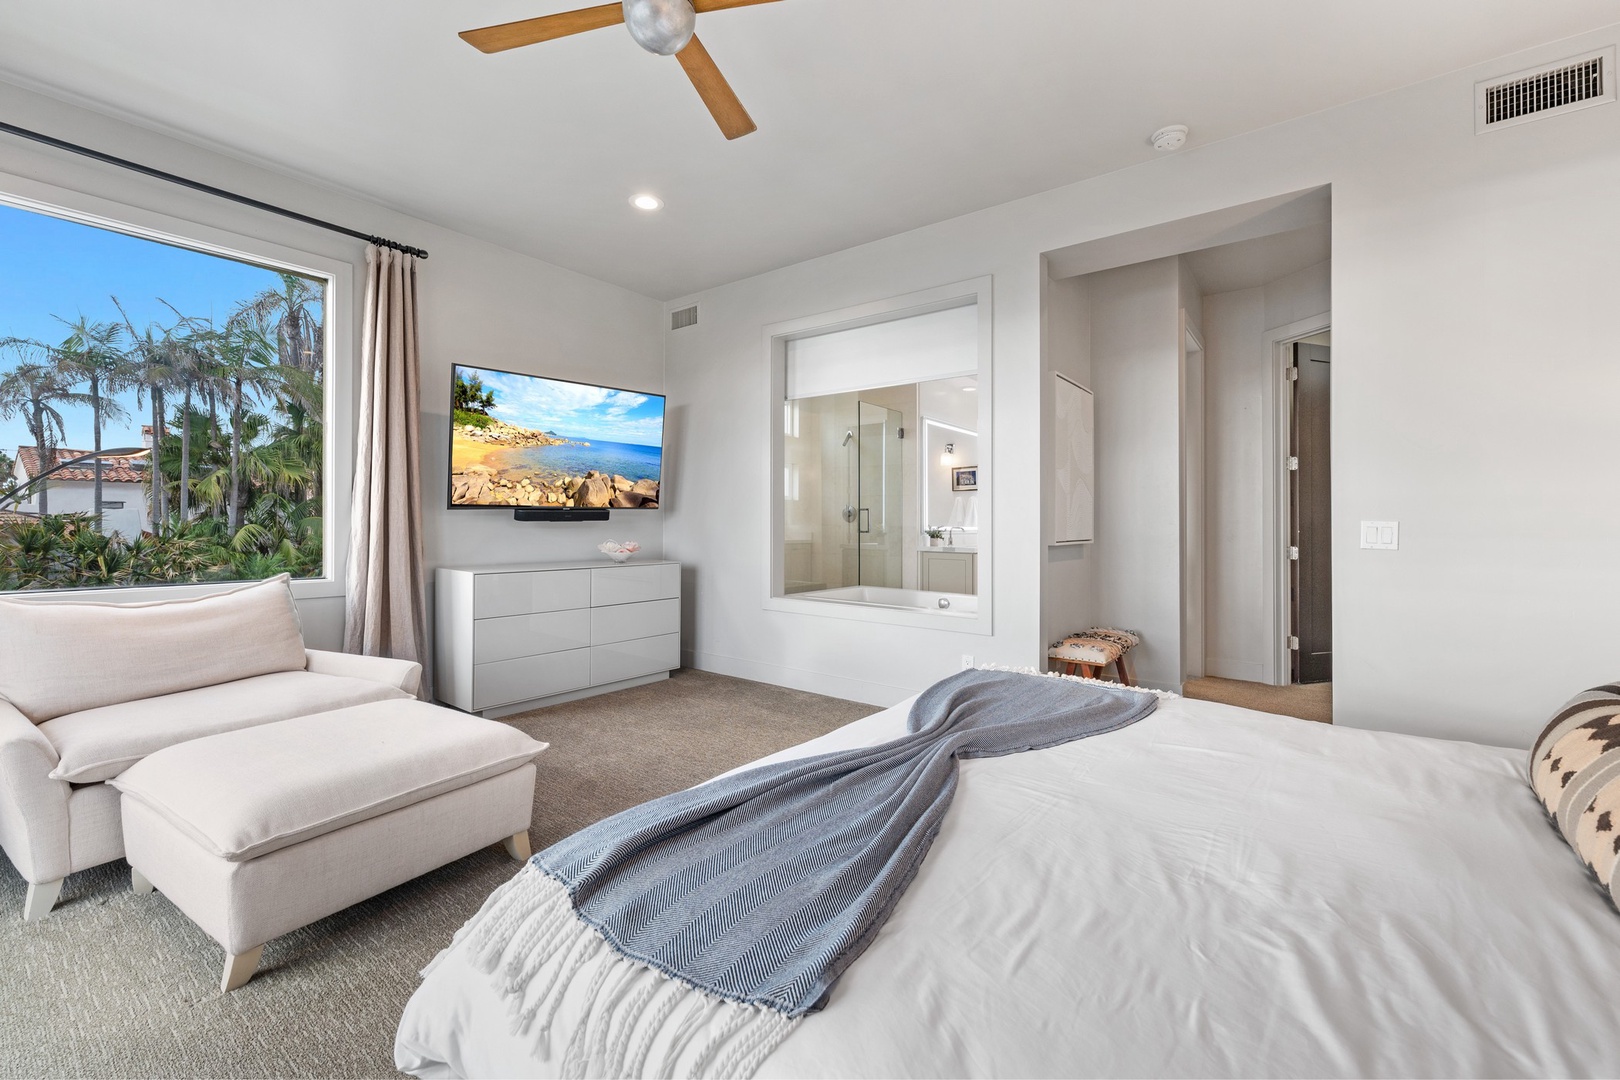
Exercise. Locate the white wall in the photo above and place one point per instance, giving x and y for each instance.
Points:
(1135, 370)
(1069, 571)
(479, 304)
(1190, 361)
(1474, 377)
(1239, 590)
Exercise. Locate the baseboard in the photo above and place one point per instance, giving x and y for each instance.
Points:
(815, 682)
(1226, 668)
(572, 695)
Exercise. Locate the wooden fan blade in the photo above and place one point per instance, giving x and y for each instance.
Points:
(716, 93)
(494, 39)
(721, 5)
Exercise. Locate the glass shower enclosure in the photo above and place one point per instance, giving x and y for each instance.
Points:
(878, 481)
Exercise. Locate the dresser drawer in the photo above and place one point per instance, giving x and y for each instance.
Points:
(622, 622)
(506, 681)
(530, 635)
(634, 584)
(496, 595)
(628, 659)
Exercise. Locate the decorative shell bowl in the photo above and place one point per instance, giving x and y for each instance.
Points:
(616, 551)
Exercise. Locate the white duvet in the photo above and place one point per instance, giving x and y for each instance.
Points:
(1209, 892)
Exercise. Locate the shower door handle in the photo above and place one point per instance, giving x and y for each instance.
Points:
(865, 525)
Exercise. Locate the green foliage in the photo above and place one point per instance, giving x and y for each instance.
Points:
(463, 418)
(472, 396)
(65, 551)
(234, 480)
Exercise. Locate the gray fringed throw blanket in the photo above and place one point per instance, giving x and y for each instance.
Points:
(745, 899)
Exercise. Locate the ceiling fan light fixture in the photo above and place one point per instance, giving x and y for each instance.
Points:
(660, 26)
(646, 201)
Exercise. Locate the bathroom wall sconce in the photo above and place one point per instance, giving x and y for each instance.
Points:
(945, 458)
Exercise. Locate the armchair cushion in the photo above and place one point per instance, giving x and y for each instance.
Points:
(98, 744)
(142, 651)
(405, 675)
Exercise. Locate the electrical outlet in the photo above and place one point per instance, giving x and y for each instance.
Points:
(967, 661)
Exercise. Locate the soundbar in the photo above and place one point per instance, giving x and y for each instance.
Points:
(558, 513)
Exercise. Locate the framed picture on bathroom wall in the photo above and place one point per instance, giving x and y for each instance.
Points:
(965, 478)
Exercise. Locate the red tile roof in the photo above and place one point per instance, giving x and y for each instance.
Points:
(118, 471)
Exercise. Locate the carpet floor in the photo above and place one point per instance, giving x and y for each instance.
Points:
(112, 984)
(1308, 701)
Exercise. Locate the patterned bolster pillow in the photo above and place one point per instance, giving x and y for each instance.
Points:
(1575, 772)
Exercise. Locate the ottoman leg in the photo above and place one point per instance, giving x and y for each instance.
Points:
(139, 884)
(41, 898)
(517, 846)
(239, 969)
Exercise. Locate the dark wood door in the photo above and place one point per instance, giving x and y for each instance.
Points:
(1312, 516)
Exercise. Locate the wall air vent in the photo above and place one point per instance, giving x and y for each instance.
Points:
(680, 320)
(1576, 83)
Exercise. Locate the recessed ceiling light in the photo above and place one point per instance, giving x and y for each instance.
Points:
(970, 389)
(646, 202)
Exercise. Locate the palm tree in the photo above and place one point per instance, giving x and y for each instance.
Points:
(247, 355)
(152, 360)
(34, 389)
(294, 311)
(193, 357)
(91, 356)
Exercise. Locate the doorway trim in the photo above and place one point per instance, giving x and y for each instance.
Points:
(1279, 342)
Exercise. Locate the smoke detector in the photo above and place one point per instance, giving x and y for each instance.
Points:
(1172, 137)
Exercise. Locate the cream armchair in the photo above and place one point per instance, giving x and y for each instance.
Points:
(201, 667)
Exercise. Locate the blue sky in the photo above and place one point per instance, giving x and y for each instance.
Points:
(53, 267)
(575, 410)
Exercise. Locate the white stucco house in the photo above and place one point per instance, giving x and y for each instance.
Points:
(73, 490)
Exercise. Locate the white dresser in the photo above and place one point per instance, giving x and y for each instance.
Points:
(510, 638)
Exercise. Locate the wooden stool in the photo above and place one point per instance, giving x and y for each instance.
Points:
(1093, 651)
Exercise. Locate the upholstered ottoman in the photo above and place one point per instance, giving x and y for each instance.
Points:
(1094, 650)
(258, 832)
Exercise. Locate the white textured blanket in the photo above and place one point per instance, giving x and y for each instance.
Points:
(1210, 892)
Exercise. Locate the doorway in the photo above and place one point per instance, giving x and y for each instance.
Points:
(1310, 511)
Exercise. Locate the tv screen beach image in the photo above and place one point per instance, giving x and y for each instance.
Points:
(523, 440)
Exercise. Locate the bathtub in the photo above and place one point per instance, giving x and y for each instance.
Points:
(938, 603)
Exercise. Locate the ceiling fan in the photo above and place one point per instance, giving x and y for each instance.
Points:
(659, 26)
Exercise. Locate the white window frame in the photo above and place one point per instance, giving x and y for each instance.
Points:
(337, 377)
(959, 294)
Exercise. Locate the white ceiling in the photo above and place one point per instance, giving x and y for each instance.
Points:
(1248, 264)
(875, 116)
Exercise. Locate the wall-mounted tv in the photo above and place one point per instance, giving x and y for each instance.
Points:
(552, 449)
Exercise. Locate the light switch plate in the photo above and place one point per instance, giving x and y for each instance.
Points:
(1381, 535)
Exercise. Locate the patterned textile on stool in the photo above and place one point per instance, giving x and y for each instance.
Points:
(1575, 772)
(1100, 646)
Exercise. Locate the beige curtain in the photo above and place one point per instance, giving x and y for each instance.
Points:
(386, 612)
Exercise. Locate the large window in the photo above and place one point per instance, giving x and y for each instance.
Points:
(881, 461)
(161, 411)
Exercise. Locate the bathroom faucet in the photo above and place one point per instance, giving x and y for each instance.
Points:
(950, 535)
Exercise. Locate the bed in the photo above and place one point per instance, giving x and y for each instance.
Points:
(1208, 892)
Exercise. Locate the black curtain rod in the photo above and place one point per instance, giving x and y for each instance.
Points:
(207, 189)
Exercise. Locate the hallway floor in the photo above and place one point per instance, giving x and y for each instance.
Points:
(1309, 701)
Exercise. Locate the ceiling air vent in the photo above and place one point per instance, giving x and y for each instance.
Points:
(1565, 86)
(680, 320)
